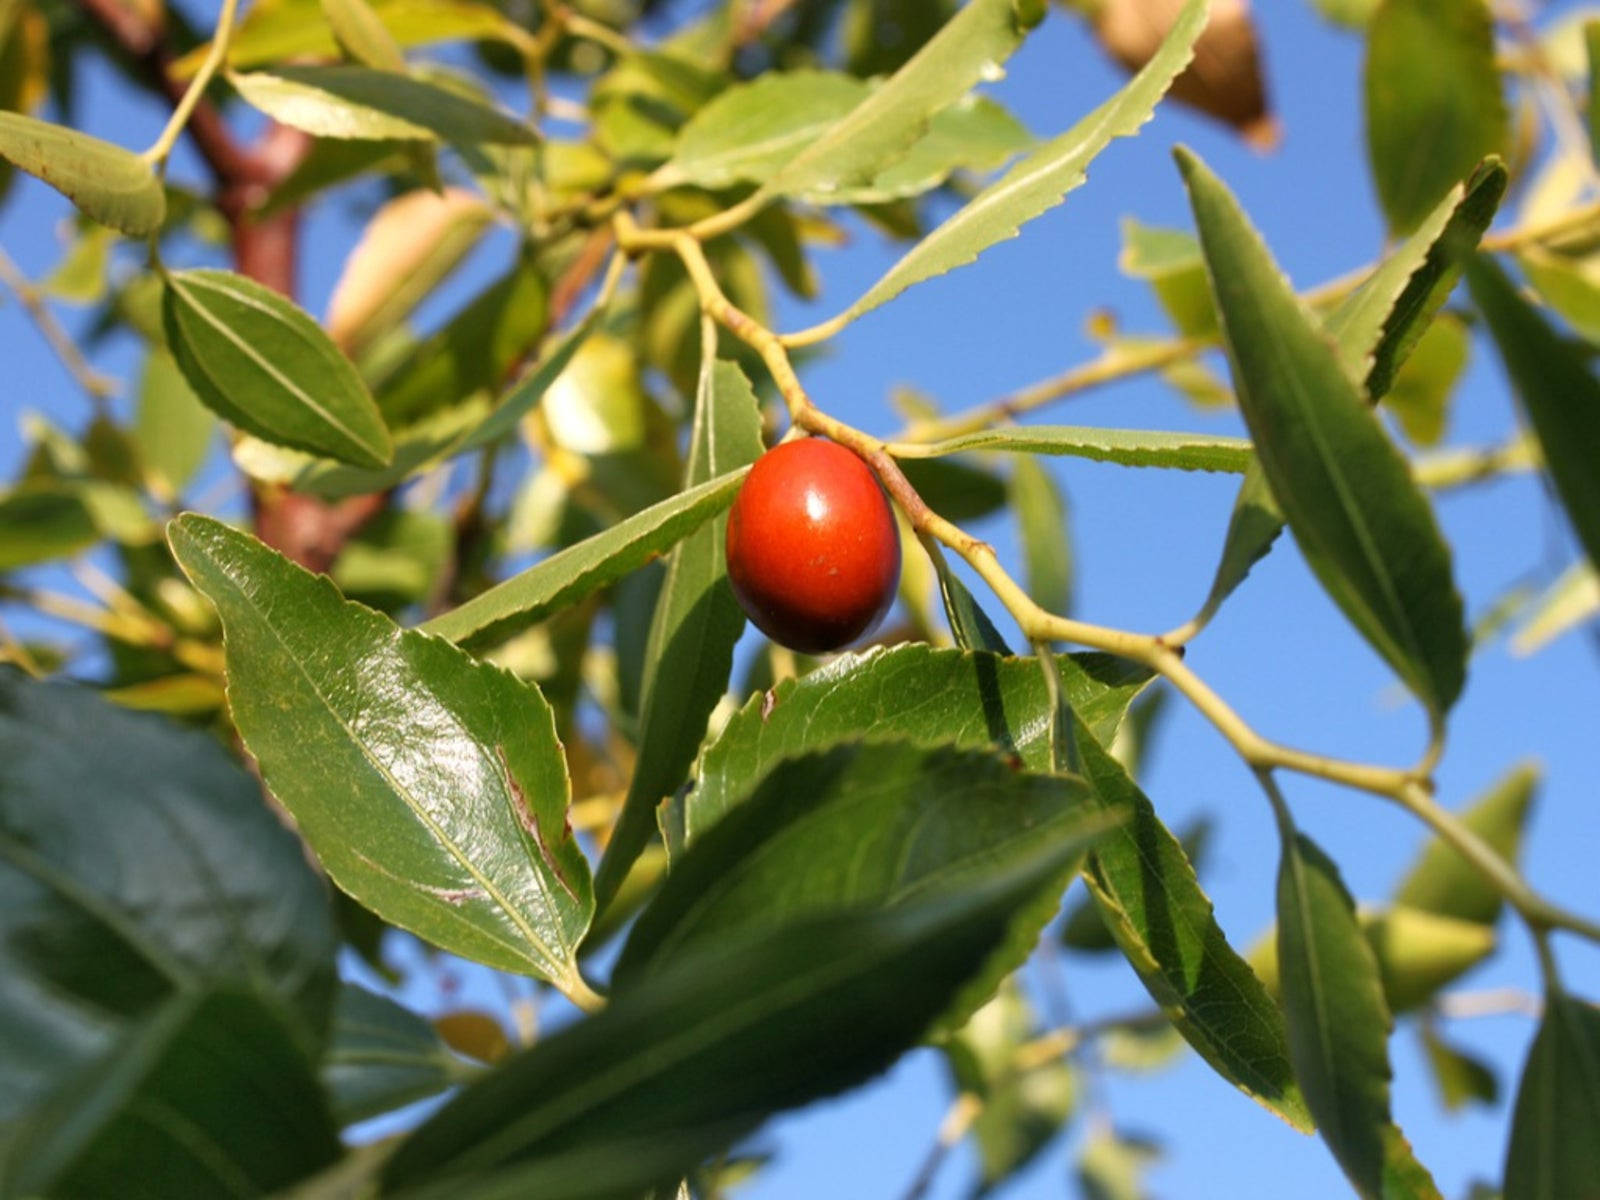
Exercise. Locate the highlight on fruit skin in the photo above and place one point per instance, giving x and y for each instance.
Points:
(813, 552)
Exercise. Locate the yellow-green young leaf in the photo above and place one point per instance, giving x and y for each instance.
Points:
(173, 428)
(1041, 180)
(1558, 391)
(1553, 1153)
(1363, 524)
(1567, 603)
(1022, 1111)
(108, 184)
(1568, 285)
(411, 244)
(878, 130)
(1591, 43)
(1443, 882)
(1434, 105)
(163, 1113)
(291, 29)
(1461, 1078)
(696, 623)
(260, 362)
(1338, 1022)
(1045, 531)
(1379, 324)
(1127, 447)
(432, 787)
(1169, 261)
(684, 1064)
(566, 577)
(1421, 394)
(359, 102)
(362, 34)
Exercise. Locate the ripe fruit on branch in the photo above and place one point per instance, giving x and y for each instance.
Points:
(813, 553)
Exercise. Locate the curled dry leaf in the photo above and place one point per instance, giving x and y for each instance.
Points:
(1225, 79)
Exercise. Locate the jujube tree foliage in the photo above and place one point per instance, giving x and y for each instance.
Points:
(354, 709)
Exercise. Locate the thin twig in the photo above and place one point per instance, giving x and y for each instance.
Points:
(98, 387)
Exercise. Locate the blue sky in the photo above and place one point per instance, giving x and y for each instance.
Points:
(1146, 543)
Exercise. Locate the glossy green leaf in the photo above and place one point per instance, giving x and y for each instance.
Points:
(42, 522)
(1151, 900)
(970, 626)
(1553, 1154)
(1460, 1078)
(568, 576)
(470, 352)
(1422, 390)
(382, 1056)
(1023, 1111)
(1444, 882)
(1559, 394)
(936, 697)
(683, 1065)
(880, 129)
(259, 361)
(108, 184)
(362, 34)
(173, 428)
(136, 861)
(1085, 929)
(1338, 1022)
(431, 786)
(696, 623)
(959, 489)
(1040, 181)
(1045, 532)
(359, 102)
(1433, 100)
(1362, 522)
(212, 1096)
(1126, 447)
(1379, 324)
(868, 826)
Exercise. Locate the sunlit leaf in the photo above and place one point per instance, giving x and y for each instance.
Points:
(108, 184)
(1127, 447)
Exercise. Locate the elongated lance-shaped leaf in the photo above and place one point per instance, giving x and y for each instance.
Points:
(1162, 920)
(136, 861)
(261, 362)
(1363, 524)
(108, 184)
(212, 1096)
(970, 626)
(696, 623)
(1338, 1021)
(1559, 393)
(684, 1064)
(1041, 180)
(362, 35)
(432, 787)
(359, 102)
(934, 697)
(880, 129)
(1378, 325)
(566, 577)
(1434, 102)
(1444, 882)
(1553, 1153)
(1044, 527)
(869, 825)
(1126, 447)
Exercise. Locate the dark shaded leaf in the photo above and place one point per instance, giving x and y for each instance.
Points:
(1553, 1154)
